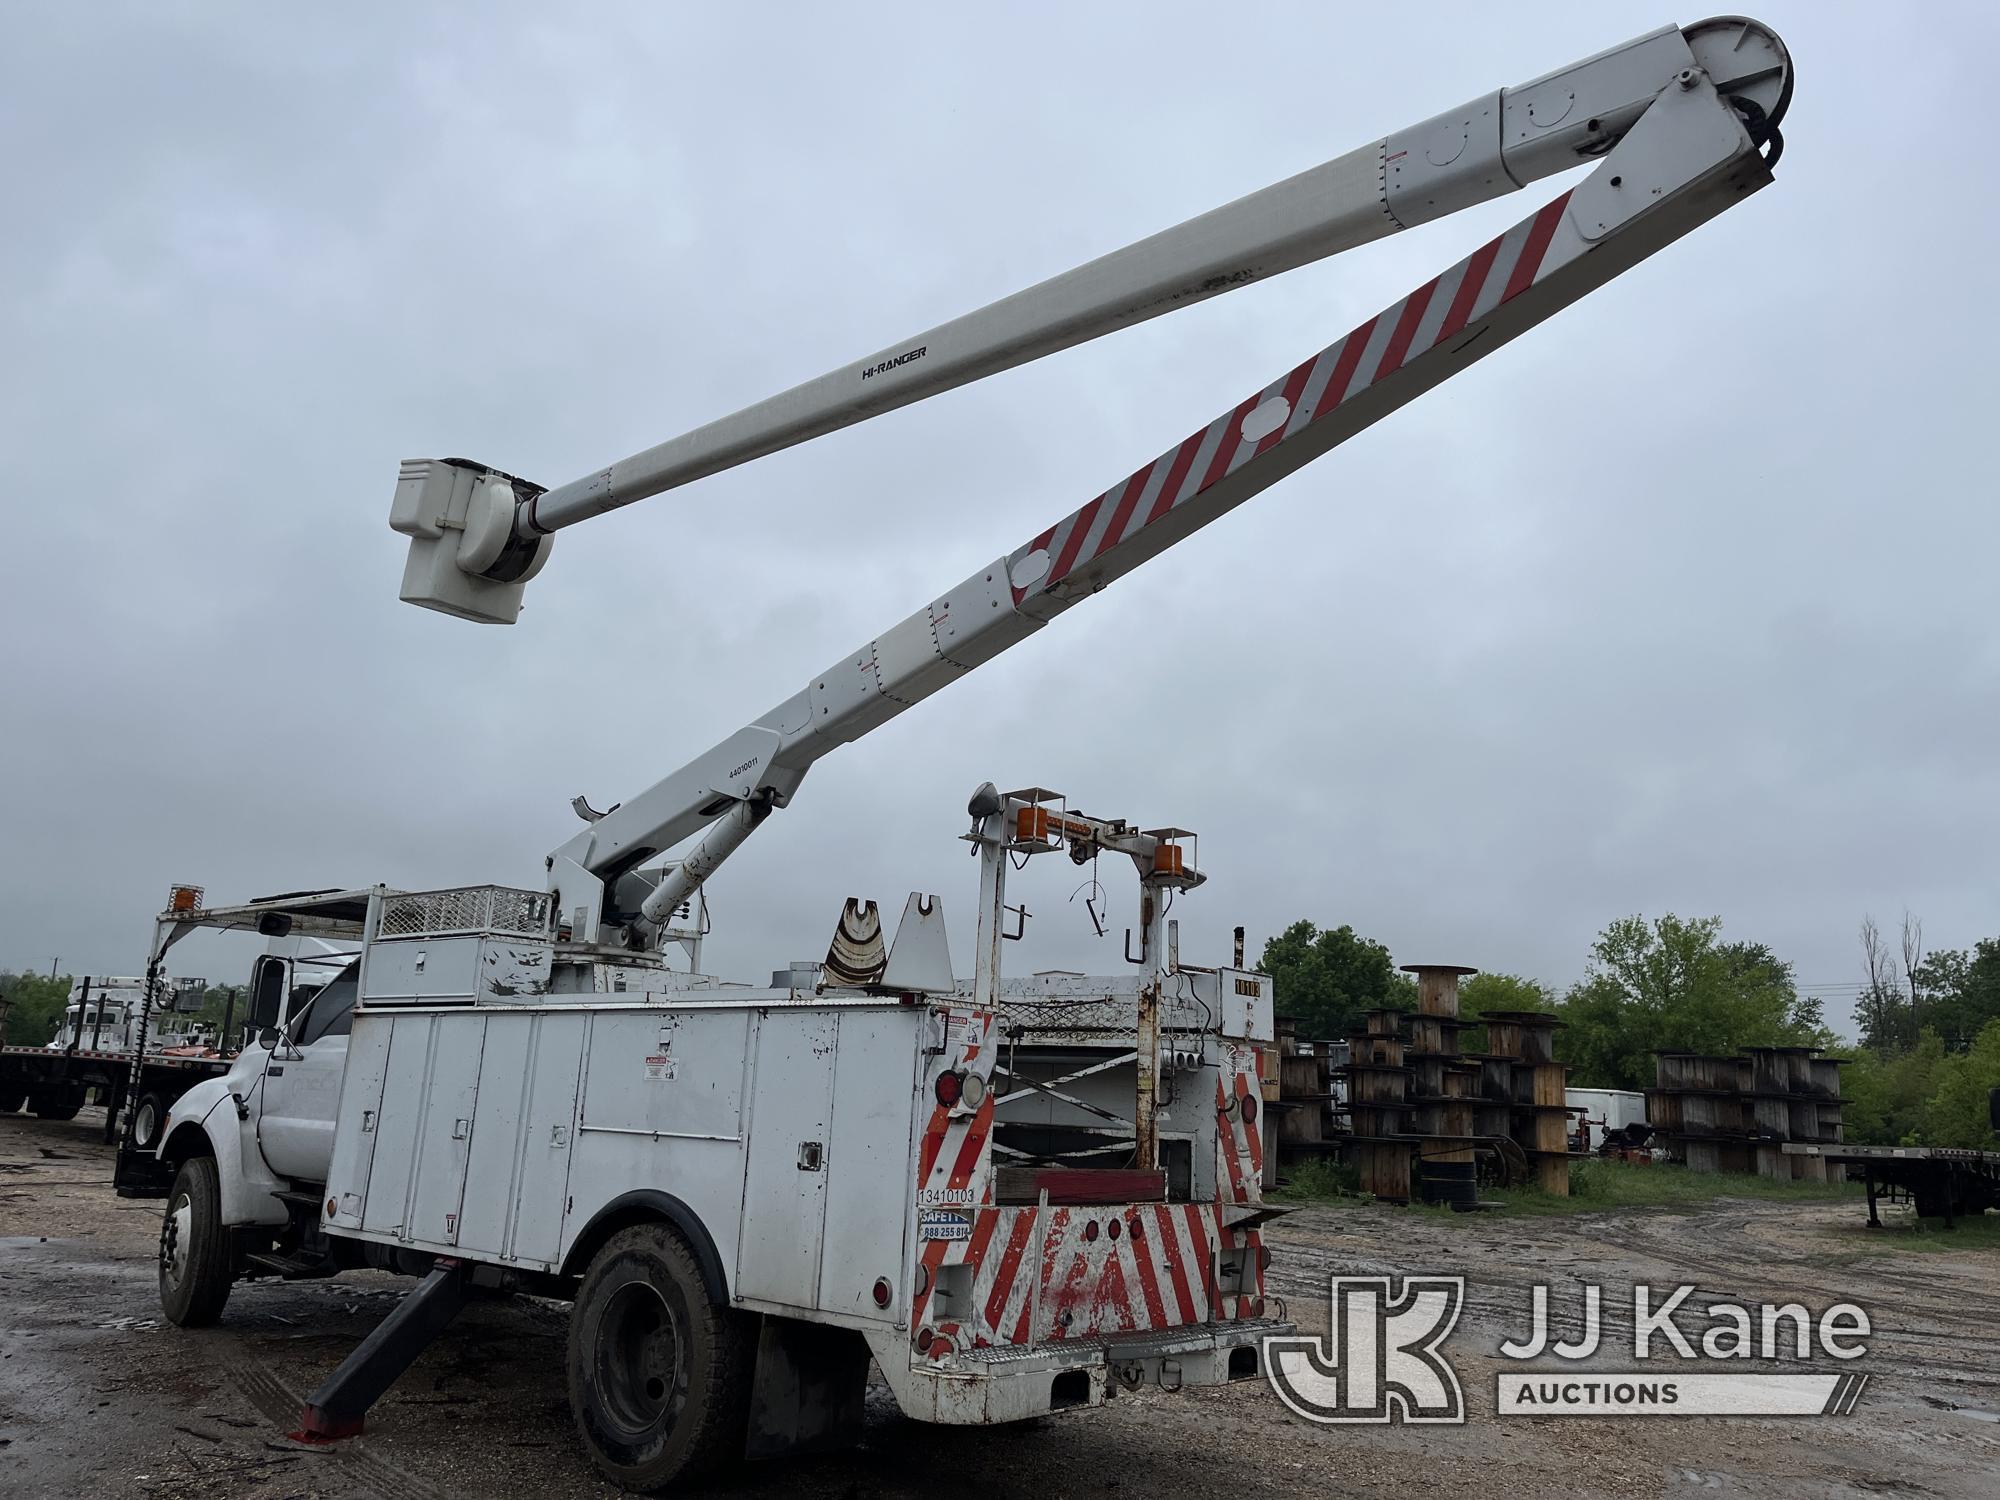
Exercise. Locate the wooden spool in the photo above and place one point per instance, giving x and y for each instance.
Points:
(1426, 1076)
(1552, 1175)
(1804, 1121)
(1663, 1109)
(1503, 1036)
(1437, 987)
(1434, 1034)
(1378, 1051)
(1383, 1168)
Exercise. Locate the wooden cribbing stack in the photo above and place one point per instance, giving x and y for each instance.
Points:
(1537, 1090)
(1736, 1114)
(1378, 1105)
(1443, 1086)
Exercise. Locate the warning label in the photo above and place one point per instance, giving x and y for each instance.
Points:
(660, 1065)
(943, 1224)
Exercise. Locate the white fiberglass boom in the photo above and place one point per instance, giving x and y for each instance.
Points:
(477, 535)
(1693, 152)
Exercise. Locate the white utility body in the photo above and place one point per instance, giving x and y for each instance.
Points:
(1014, 1195)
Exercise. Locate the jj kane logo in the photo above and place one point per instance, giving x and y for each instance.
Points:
(1383, 1359)
(1385, 1365)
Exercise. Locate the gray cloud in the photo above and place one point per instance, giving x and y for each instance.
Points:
(1683, 601)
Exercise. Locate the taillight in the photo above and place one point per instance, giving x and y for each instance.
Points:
(1249, 1109)
(883, 1291)
(960, 1090)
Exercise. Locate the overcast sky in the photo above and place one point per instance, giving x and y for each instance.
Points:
(1683, 602)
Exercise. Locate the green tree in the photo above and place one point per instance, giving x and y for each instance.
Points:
(1962, 992)
(1672, 985)
(1479, 993)
(1327, 979)
(1956, 1111)
(1887, 1092)
(34, 1007)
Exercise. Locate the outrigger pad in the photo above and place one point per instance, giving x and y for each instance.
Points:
(338, 1407)
(920, 957)
(856, 958)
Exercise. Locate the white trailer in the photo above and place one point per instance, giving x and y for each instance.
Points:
(1013, 1196)
(1604, 1113)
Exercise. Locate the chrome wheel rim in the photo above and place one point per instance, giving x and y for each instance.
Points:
(175, 1233)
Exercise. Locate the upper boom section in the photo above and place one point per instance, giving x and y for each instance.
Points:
(477, 535)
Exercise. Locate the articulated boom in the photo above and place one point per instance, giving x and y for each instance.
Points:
(1685, 124)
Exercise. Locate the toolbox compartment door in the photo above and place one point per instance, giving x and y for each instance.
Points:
(518, 1172)
(784, 1189)
(424, 1133)
(870, 1170)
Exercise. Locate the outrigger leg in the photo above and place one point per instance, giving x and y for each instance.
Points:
(337, 1408)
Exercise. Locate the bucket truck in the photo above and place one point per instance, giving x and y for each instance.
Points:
(1013, 1195)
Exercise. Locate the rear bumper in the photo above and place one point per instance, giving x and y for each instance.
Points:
(993, 1385)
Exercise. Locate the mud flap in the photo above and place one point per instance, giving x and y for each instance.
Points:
(808, 1391)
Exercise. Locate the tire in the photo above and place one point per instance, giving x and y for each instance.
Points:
(148, 1120)
(195, 1260)
(659, 1376)
(12, 1099)
(57, 1103)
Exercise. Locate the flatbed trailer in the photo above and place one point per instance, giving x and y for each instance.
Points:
(56, 1084)
(1942, 1182)
(114, 1043)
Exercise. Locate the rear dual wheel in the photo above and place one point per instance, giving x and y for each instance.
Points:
(60, 1103)
(146, 1122)
(659, 1376)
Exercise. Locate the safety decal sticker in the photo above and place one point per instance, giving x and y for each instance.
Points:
(943, 1224)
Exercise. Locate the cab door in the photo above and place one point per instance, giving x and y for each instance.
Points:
(300, 1093)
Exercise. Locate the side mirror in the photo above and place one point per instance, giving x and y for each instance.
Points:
(268, 1038)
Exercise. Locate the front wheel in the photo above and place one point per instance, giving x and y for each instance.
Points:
(195, 1269)
(12, 1099)
(659, 1376)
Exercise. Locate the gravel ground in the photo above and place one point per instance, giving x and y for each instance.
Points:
(99, 1397)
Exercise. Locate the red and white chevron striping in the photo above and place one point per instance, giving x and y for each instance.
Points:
(1497, 272)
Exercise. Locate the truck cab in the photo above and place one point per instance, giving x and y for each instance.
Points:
(267, 1121)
